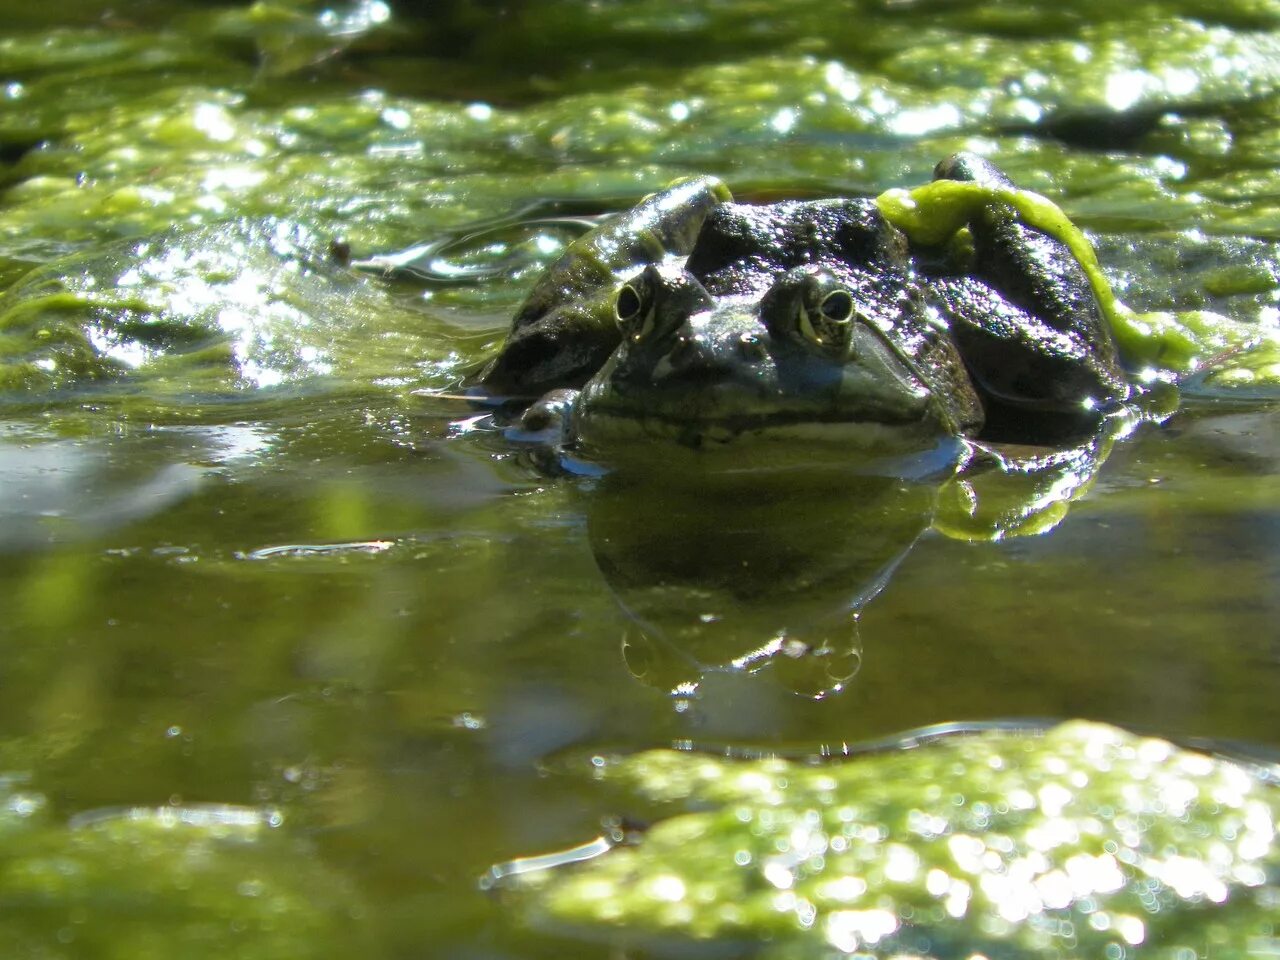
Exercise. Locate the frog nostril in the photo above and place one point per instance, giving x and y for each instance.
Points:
(692, 360)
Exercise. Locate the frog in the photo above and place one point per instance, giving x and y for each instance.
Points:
(708, 323)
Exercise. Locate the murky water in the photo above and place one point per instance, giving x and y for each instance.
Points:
(388, 642)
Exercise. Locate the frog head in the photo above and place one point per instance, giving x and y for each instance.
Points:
(808, 354)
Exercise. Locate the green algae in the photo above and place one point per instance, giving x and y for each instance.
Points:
(213, 310)
(200, 880)
(229, 136)
(1087, 840)
(293, 35)
(1175, 342)
(1104, 67)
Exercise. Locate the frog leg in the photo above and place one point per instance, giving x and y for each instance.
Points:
(560, 334)
(1026, 320)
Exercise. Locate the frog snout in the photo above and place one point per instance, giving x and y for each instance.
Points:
(691, 357)
(689, 351)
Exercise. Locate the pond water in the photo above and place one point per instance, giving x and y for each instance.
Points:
(248, 567)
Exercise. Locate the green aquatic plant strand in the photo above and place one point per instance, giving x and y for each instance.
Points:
(1176, 342)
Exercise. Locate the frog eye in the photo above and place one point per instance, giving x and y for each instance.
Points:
(825, 324)
(633, 308)
(814, 309)
(837, 306)
(627, 307)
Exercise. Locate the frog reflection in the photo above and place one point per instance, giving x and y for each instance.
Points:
(746, 570)
(741, 573)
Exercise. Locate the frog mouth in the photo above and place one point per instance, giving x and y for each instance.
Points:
(720, 406)
(781, 443)
(604, 426)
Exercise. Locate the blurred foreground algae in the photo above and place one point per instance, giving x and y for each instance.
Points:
(1086, 839)
(144, 883)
